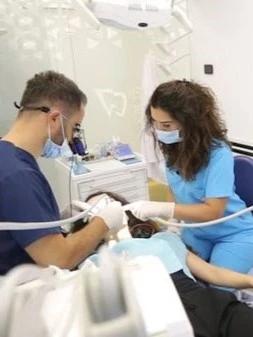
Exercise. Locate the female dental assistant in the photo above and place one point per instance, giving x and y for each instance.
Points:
(200, 172)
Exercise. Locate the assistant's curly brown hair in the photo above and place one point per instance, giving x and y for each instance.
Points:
(195, 108)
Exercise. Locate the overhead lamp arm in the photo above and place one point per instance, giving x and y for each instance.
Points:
(91, 18)
(182, 18)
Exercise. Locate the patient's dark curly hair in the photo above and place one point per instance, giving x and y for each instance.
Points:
(195, 108)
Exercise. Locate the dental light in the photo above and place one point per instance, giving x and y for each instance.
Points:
(135, 14)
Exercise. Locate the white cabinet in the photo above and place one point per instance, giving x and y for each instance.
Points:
(128, 180)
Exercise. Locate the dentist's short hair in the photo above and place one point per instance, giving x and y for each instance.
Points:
(51, 87)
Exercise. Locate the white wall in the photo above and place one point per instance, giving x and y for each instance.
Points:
(222, 36)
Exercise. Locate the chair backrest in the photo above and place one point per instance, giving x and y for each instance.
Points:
(243, 169)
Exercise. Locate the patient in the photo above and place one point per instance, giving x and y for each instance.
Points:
(212, 312)
(137, 227)
(178, 255)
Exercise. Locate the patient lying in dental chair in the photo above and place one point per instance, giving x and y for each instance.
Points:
(212, 312)
(137, 227)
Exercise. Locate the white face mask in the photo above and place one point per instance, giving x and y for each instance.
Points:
(53, 150)
(168, 137)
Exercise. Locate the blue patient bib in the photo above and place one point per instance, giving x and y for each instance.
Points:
(167, 246)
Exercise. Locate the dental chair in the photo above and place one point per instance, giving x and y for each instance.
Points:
(243, 169)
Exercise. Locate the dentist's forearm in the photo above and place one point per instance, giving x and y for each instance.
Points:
(68, 252)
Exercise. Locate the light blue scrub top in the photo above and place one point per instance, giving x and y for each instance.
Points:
(216, 180)
(167, 246)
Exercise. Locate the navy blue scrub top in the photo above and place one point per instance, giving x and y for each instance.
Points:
(25, 196)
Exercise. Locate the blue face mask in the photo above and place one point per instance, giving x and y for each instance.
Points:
(168, 137)
(53, 150)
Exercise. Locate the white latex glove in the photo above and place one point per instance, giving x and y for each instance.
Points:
(112, 215)
(145, 210)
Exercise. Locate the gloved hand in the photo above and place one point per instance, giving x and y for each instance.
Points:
(145, 210)
(112, 215)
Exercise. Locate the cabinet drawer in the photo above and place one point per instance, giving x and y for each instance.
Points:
(131, 194)
(101, 183)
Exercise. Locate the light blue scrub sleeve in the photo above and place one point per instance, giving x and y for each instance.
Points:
(220, 174)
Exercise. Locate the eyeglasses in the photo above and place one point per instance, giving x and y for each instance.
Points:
(40, 108)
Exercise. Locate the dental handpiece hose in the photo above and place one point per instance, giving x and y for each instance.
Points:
(203, 224)
(51, 224)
